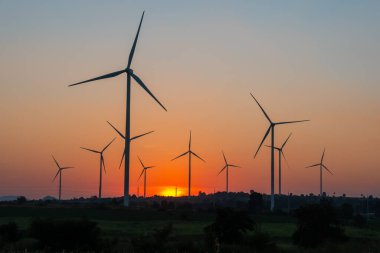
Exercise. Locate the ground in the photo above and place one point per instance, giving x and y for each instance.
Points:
(121, 223)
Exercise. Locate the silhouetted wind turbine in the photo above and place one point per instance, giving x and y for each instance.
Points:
(60, 169)
(271, 129)
(145, 168)
(280, 153)
(226, 168)
(102, 164)
(190, 153)
(122, 136)
(129, 72)
(321, 167)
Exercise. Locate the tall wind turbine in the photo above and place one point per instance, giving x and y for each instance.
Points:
(190, 152)
(102, 164)
(60, 169)
(271, 129)
(321, 167)
(130, 74)
(145, 168)
(122, 136)
(280, 155)
(226, 167)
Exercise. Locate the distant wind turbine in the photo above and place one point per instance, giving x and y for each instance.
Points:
(102, 164)
(190, 153)
(271, 129)
(122, 136)
(145, 168)
(226, 167)
(321, 167)
(130, 74)
(60, 169)
(280, 153)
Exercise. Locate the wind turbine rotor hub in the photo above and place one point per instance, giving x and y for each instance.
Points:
(129, 71)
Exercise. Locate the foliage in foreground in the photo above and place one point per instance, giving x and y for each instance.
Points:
(318, 223)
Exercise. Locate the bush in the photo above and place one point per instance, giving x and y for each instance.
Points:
(316, 224)
(9, 233)
(229, 227)
(153, 242)
(66, 234)
(261, 242)
(346, 211)
(359, 221)
(256, 202)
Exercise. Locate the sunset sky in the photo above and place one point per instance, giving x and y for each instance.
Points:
(316, 60)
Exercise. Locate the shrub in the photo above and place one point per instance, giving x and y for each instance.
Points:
(9, 232)
(229, 227)
(256, 202)
(261, 242)
(346, 211)
(66, 234)
(316, 224)
(359, 221)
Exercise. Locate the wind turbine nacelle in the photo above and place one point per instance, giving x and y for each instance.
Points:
(129, 71)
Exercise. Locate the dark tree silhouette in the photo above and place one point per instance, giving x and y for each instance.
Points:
(230, 226)
(316, 224)
(66, 234)
(256, 202)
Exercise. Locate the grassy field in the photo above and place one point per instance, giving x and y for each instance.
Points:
(121, 223)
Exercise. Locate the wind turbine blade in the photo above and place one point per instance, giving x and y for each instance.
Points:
(138, 136)
(108, 145)
(113, 74)
(138, 80)
(122, 136)
(56, 162)
(197, 156)
(291, 122)
(271, 146)
(231, 165)
(286, 161)
(65, 168)
(265, 136)
(190, 141)
(327, 169)
(314, 165)
(225, 160)
(225, 166)
(56, 175)
(122, 158)
(141, 162)
(150, 167)
(104, 164)
(323, 155)
(91, 150)
(283, 145)
(135, 42)
(142, 172)
(180, 155)
(262, 109)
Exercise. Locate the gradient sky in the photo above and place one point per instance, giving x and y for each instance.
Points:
(316, 60)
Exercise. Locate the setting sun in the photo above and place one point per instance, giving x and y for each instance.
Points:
(172, 191)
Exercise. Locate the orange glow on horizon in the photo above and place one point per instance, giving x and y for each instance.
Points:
(172, 191)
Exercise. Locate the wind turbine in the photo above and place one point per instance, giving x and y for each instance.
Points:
(190, 152)
(130, 74)
(145, 168)
(122, 136)
(102, 164)
(280, 153)
(226, 167)
(321, 167)
(60, 169)
(271, 129)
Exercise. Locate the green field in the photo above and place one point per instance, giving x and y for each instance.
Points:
(123, 224)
